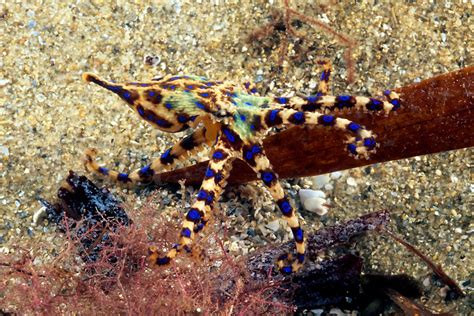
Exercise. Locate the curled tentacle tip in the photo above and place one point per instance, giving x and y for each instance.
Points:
(87, 76)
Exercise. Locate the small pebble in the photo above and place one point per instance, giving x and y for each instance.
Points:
(274, 225)
(351, 181)
(426, 282)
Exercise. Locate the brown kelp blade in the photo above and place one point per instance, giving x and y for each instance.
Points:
(436, 115)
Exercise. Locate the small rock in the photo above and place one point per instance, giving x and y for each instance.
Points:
(40, 97)
(4, 152)
(426, 282)
(4, 82)
(351, 181)
(328, 187)
(336, 175)
(317, 312)
(273, 225)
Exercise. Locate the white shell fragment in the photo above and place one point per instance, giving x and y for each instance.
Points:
(314, 201)
(39, 215)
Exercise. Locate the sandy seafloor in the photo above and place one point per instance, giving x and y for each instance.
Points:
(48, 115)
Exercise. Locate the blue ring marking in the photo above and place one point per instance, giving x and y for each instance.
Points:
(218, 155)
(248, 104)
(387, 92)
(163, 261)
(325, 75)
(286, 207)
(328, 119)
(396, 104)
(190, 87)
(210, 198)
(230, 136)
(353, 127)
(186, 232)
(267, 177)
(209, 84)
(200, 105)
(218, 177)
(248, 155)
(298, 234)
(168, 105)
(282, 100)
(151, 93)
(374, 105)
(298, 116)
(199, 227)
(126, 95)
(174, 78)
(287, 270)
(344, 98)
(312, 98)
(253, 90)
(192, 118)
(209, 173)
(103, 170)
(300, 257)
(163, 123)
(113, 88)
(273, 115)
(140, 110)
(369, 143)
(352, 149)
(193, 215)
(255, 149)
(204, 95)
(182, 118)
(243, 118)
(202, 195)
(123, 177)
(147, 171)
(166, 154)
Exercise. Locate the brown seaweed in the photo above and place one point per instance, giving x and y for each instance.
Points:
(436, 268)
(263, 261)
(436, 115)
